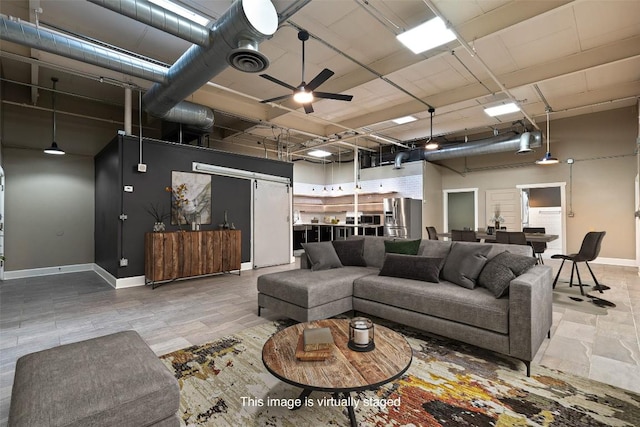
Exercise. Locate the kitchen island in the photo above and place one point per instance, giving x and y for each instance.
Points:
(320, 232)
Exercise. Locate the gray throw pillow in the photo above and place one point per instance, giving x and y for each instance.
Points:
(406, 247)
(412, 267)
(501, 270)
(322, 256)
(350, 252)
(464, 263)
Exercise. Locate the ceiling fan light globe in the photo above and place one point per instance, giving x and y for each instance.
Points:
(303, 97)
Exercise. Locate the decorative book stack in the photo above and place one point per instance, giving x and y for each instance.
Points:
(314, 344)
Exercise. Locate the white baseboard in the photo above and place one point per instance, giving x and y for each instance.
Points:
(46, 271)
(105, 275)
(615, 261)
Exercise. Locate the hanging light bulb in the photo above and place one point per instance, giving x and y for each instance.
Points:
(431, 144)
(548, 159)
(54, 149)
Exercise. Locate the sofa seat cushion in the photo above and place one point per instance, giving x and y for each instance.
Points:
(476, 307)
(307, 288)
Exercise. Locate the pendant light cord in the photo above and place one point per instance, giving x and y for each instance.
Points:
(53, 105)
(548, 137)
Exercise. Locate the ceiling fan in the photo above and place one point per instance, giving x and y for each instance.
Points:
(305, 93)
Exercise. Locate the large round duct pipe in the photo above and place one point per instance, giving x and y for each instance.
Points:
(160, 18)
(192, 114)
(27, 34)
(244, 20)
(492, 145)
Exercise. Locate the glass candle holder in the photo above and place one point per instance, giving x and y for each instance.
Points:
(361, 335)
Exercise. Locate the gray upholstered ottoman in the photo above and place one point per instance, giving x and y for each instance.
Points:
(114, 380)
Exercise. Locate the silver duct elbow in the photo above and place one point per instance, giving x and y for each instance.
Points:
(403, 155)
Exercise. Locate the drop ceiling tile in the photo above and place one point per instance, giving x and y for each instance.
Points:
(602, 22)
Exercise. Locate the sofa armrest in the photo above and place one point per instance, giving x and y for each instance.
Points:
(530, 311)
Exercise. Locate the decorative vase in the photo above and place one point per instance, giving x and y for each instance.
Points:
(158, 227)
(497, 224)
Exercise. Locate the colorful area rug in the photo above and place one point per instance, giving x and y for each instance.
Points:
(224, 383)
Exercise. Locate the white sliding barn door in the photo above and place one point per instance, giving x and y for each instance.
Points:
(507, 201)
(272, 232)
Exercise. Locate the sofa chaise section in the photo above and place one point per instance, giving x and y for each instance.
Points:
(302, 296)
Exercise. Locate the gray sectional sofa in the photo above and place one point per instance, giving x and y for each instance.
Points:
(514, 324)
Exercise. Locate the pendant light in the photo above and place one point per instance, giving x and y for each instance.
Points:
(431, 144)
(548, 159)
(324, 176)
(339, 162)
(54, 149)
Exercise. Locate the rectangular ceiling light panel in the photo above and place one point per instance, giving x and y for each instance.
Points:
(319, 153)
(428, 35)
(501, 109)
(403, 120)
(182, 11)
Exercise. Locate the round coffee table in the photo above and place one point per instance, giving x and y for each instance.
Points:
(345, 371)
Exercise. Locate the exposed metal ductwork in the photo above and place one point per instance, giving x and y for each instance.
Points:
(245, 20)
(496, 144)
(160, 18)
(233, 40)
(25, 33)
(400, 157)
(519, 143)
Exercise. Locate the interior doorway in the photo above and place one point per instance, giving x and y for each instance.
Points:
(460, 209)
(543, 205)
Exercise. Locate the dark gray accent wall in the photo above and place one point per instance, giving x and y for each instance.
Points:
(228, 194)
(108, 201)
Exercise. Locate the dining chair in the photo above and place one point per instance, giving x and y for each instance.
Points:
(464, 236)
(538, 247)
(431, 231)
(511, 237)
(589, 251)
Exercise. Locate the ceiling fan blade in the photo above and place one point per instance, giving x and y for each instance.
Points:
(319, 79)
(277, 98)
(276, 81)
(308, 108)
(336, 96)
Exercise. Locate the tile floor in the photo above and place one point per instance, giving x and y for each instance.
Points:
(43, 312)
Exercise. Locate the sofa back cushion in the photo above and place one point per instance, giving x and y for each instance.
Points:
(464, 264)
(434, 248)
(350, 252)
(321, 255)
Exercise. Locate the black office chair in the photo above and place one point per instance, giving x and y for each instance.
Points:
(589, 251)
(511, 237)
(464, 236)
(538, 247)
(433, 234)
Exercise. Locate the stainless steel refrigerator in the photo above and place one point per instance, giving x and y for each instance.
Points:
(403, 218)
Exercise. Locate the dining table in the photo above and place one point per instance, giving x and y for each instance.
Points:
(531, 237)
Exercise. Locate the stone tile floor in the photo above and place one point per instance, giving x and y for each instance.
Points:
(42, 312)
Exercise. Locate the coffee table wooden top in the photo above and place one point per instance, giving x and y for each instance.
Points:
(346, 370)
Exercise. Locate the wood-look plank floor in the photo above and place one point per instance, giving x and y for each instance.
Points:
(43, 312)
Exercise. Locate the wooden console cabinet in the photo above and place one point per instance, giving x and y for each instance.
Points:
(180, 254)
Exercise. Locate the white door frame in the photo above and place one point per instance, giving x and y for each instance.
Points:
(445, 205)
(563, 206)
